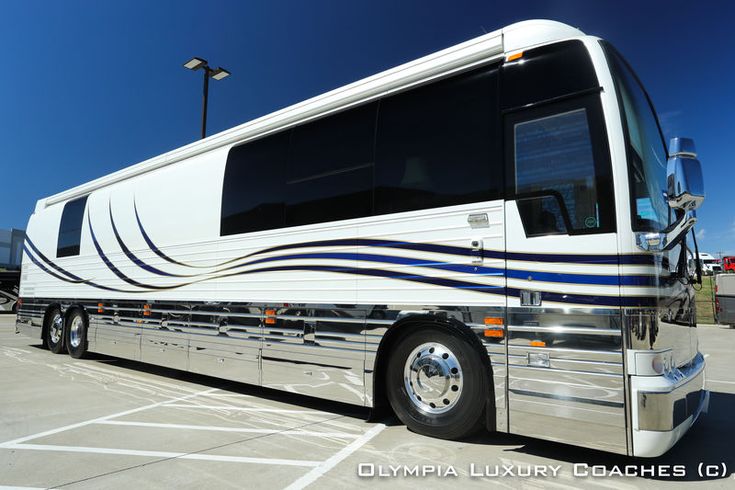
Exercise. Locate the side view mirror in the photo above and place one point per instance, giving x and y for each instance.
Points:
(685, 186)
(685, 191)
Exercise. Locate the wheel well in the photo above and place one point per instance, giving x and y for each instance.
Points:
(410, 324)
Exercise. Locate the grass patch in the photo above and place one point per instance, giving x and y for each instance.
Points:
(705, 301)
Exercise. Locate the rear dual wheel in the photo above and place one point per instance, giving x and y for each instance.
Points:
(76, 337)
(54, 331)
(437, 383)
(66, 335)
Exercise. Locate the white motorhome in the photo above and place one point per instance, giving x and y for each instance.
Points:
(710, 264)
(482, 237)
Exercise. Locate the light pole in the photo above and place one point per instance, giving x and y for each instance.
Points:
(217, 73)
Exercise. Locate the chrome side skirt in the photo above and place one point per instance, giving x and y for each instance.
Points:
(557, 373)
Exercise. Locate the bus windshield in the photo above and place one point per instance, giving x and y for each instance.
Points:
(646, 150)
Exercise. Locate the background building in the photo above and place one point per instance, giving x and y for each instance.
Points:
(11, 248)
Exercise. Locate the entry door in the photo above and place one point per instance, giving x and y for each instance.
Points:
(565, 372)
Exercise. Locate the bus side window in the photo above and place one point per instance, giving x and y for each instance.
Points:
(439, 145)
(70, 228)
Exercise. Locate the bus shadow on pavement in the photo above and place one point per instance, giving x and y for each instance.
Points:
(338, 408)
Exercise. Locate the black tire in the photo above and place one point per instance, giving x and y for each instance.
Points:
(468, 387)
(54, 331)
(76, 334)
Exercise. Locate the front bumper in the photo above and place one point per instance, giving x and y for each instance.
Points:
(664, 407)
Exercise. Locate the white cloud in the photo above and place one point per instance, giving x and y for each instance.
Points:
(701, 233)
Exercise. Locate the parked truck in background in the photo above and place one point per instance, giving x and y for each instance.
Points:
(728, 264)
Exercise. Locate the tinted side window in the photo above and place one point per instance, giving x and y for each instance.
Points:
(329, 174)
(70, 230)
(253, 191)
(438, 145)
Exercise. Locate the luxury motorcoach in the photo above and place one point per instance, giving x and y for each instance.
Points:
(493, 236)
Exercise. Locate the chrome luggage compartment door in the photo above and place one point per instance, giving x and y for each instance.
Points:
(316, 350)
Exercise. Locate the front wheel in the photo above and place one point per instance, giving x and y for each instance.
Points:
(437, 383)
(55, 331)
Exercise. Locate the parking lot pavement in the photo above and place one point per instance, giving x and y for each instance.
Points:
(110, 423)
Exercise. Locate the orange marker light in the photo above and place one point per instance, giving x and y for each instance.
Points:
(100, 308)
(270, 317)
(514, 56)
(492, 320)
(538, 343)
(146, 310)
(494, 333)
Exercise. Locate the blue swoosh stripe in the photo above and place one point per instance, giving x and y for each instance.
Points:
(153, 246)
(612, 259)
(437, 281)
(65, 279)
(133, 257)
(591, 279)
(112, 266)
(483, 288)
(49, 262)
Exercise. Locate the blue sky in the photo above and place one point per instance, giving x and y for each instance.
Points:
(90, 87)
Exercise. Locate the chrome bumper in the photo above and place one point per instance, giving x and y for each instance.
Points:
(664, 407)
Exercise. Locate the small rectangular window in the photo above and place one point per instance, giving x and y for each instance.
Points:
(70, 229)
(562, 179)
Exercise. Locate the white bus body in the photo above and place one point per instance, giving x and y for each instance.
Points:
(454, 237)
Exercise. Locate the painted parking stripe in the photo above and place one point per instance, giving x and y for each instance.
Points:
(99, 419)
(340, 456)
(243, 409)
(5, 487)
(217, 428)
(720, 381)
(161, 454)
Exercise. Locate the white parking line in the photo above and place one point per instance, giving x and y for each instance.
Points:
(99, 419)
(217, 428)
(720, 381)
(242, 409)
(4, 487)
(327, 465)
(162, 454)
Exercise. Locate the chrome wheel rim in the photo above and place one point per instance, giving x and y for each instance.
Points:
(75, 331)
(56, 328)
(433, 378)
